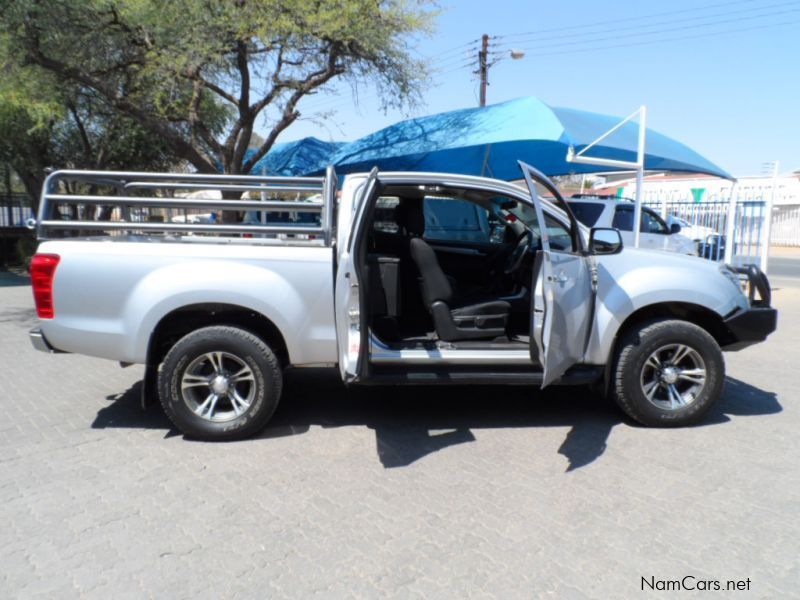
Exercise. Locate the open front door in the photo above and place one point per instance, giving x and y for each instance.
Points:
(351, 325)
(563, 298)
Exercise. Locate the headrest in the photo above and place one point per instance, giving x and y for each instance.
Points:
(410, 216)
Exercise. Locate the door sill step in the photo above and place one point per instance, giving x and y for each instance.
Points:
(578, 375)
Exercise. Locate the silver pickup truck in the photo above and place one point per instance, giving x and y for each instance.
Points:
(389, 277)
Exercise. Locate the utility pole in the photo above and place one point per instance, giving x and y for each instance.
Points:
(483, 66)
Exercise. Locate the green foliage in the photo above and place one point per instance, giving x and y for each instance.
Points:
(24, 249)
(198, 73)
(28, 109)
(43, 124)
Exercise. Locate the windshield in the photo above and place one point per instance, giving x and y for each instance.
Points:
(525, 213)
(560, 238)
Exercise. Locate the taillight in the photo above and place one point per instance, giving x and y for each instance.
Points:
(43, 269)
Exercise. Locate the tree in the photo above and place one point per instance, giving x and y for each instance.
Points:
(199, 74)
(26, 123)
(44, 125)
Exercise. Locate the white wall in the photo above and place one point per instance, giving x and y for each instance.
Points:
(748, 188)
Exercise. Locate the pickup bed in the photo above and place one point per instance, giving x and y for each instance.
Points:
(409, 278)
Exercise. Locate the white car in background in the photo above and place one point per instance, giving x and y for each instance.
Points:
(655, 234)
(698, 233)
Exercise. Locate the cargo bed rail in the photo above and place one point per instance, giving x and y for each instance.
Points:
(78, 202)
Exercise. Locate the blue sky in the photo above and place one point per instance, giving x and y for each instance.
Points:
(720, 76)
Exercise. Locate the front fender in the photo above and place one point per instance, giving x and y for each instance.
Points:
(636, 279)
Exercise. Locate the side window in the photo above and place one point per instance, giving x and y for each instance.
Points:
(450, 219)
(652, 223)
(623, 218)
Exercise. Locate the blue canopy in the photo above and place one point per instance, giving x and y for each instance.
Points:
(490, 140)
(296, 158)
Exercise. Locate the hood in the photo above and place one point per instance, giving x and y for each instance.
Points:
(664, 258)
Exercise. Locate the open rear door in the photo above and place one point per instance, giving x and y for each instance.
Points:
(351, 326)
(562, 292)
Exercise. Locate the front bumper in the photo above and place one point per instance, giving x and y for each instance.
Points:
(753, 325)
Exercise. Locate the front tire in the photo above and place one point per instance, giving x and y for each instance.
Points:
(220, 383)
(668, 373)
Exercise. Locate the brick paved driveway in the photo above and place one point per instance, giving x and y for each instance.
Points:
(402, 493)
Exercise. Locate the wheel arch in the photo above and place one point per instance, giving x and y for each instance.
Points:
(703, 317)
(181, 321)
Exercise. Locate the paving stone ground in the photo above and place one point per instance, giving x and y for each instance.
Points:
(392, 492)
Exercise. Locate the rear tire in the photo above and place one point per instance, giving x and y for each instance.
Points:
(220, 383)
(668, 373)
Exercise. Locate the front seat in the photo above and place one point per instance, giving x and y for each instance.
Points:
(453, 321)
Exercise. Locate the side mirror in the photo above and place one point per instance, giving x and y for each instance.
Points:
(605, 240)
(675, 228)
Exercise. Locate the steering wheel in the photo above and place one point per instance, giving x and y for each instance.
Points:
(516, 258)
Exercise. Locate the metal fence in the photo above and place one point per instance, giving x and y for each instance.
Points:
(14, 210)
(708, 224)
(786, 225)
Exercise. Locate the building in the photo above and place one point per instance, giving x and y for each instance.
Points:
(704, 188)
(671, 188)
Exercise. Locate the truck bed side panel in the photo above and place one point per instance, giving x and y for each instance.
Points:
(110, 295)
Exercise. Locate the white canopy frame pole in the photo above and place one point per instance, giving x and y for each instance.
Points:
(637, 209)
(767, 227)
(638, 166)
(730, 226)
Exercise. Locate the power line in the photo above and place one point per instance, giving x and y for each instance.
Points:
(469, 67)
(340, 100)
(661, 31)
(463, 49)
(458, 58)
(640, 28)
(461, 62)
(669, 39)
(337, 100)
(453, 60)
(466, 70)
(456, 49)
(626, 19)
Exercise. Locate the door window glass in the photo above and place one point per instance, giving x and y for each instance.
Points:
(560, 239)
(587, 212)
